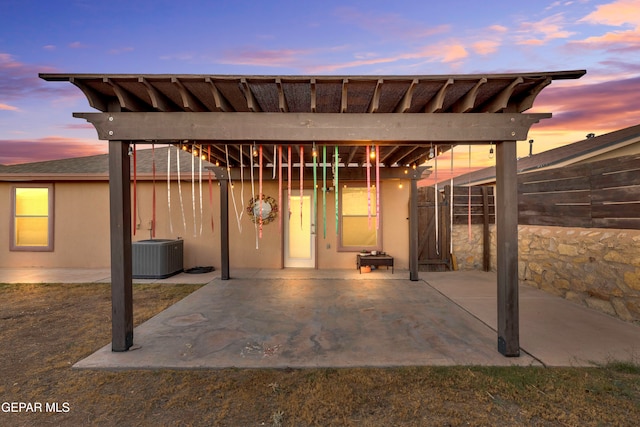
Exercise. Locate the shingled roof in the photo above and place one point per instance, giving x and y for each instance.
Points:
(96, 168)
(561, 156)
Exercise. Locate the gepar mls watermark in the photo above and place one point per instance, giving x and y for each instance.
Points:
(35, 407)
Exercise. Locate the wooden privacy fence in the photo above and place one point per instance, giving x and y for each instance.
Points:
(471, 205)
(603, 194)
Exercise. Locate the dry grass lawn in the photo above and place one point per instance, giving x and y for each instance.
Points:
(45, 329)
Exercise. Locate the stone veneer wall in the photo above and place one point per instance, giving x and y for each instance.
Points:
(599, 268)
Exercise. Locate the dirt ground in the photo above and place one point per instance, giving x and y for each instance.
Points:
(45, 329)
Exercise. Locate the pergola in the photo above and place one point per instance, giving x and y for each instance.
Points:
(405, 115)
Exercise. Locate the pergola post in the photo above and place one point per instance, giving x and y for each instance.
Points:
(224, 227)
(121, 260)
(507, 248)
(414, 175)
(413, 231)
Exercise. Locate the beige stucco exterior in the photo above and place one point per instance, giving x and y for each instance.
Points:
(81, 238)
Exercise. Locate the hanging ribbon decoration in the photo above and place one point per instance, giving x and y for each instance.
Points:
(233, 193)
(280, 186)
(193, 187)
(184, 218)
(253, 193)
(210, 187)
(153, 200)
(324, 190)
(469, 202)
(275, 162)
(289, 173)
(169, 188)
(301, 182)
(437, 196)
(368, 160)
(135, 192)
(377, 187)
(335, 177)
(200, 186)
(260, 190)
(241, 149)
(451, 204)
(315, 185)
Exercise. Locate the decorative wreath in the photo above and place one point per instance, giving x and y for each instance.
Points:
(269, 209)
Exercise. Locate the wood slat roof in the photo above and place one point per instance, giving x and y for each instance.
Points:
(423, 94)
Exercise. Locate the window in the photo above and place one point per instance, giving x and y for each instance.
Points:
(32, 218)
(357, 232)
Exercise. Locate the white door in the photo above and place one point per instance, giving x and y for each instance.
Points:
(300, 235)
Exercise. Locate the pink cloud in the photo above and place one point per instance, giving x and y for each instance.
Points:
(543, 31)
(445, 52)
(615, 42)
(19, 80)
(49, 148)
(390, 25)
(264, 57)
(8, 107)
(485, 47)
(617, 13)
(598, 108)
(77, 45)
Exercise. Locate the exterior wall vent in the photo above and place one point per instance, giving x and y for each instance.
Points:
(157, 258)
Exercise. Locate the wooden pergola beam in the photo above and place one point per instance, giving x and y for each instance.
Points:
(348, 129)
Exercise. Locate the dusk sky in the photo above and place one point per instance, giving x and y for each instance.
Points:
(327, 37)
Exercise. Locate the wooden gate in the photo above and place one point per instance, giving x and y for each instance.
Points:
(434, 230)
(475, 205)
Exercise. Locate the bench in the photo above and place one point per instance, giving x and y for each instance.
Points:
(374, 260)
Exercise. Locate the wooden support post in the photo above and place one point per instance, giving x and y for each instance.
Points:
(224, 226)
(121, 260)
(507, 248)
(413, 231)
(486, 236)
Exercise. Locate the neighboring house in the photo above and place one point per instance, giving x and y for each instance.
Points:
(58, 214)
(619, 143)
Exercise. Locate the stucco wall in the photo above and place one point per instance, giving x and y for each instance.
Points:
(82, 227)
(599, 268)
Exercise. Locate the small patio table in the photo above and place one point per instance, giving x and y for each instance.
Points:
(374, 260)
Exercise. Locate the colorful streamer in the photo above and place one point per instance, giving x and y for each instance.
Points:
(241, 149)
(280, 187)
(451, 204)
(135, 192)
(275, 162)
(335, 178)
(233, 193)
(301, 182)
(153, 199)
(324, 190)
(210, 188)
(184, 218)
(260, 191)
(200, 186)
(368, 155)
(253, 195)
(377, 187)
(289, 173)
(193, 189)
(469, 203)
(315, 186)
(437, 196)
(169, 188)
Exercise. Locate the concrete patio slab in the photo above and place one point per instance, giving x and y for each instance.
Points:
(338, 318)
(283, 318)
(554, 330)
